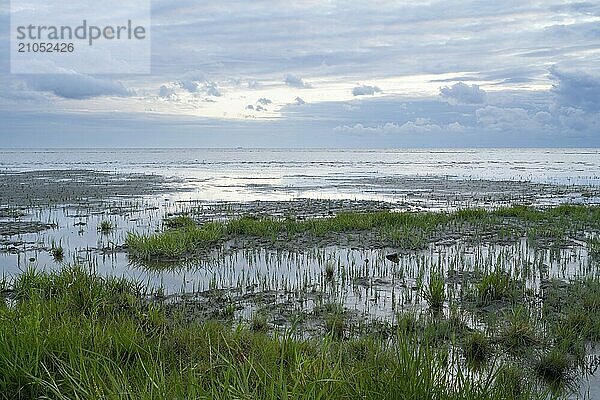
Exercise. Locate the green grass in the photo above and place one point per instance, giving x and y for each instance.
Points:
(329, 270)
(594, 248)
(554, 365)
(435, 294)
(477, 347)
(75, 335)
(174, 243)
(106, 226)
(520, 332)
(495, 286)
(413, 231)
(57, 251)
(180, 221)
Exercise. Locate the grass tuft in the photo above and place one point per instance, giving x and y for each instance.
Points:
(434, 294)
(106, 226)
(554, 365)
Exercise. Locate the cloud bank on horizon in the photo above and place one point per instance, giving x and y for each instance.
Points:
(375, 74)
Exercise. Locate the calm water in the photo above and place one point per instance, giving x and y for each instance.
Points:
(243, 174)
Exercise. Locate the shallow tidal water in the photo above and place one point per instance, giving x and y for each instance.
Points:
(283, 174)
(368, 284)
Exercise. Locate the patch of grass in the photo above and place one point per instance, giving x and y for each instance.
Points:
(174, 243)
(511, 380)
(519, 333)
(58, 253)
(554, 365)
(435, 294)
(594, 247)
(73, 334)
(407, 230)
(180, 221)
(405, 237)
(106, 226)
(476, 347)
(259, 323)
(494, 286)
(329, 270)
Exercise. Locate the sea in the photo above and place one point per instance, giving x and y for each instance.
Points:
(246, 174)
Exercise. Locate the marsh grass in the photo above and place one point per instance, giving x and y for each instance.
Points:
(259, 322)
(435, 294)
(494, 286)
(477, 347)
(106, 226)
(73, 334)
(174, 243)
(520, 333)
(178, 222)
(406, 230)
(57, 251)
(594, 248)
(554, 365)
(511, 380)
(329, 270)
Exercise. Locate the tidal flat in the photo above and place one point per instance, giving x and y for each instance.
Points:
(126, 286)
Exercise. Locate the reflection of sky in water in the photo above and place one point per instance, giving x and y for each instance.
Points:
(245, 174)
(77, 232)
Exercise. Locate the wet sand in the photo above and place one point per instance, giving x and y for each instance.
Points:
(59, 187)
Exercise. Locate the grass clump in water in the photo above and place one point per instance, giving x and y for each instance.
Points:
(435, 294)
(594, 248)
(554, 365)
(106, 226)
(178, 222)
(477, 347)
(57, 251)
(174, 243)
(411, 231)
(329, 270)
(519, 333)
(495, 286)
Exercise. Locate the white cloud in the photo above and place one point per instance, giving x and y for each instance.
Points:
(295, 81)
(463, 93)
(211, 89)
(232, 55)
(167, 92)
(499, 119)
(418, 126)
(365, 90)
(76, 86)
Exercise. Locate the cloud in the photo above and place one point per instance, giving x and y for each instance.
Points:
(166, 92)
(499, 118)
(196, 81)
(419, 125)
(190, 86)
(516, 119)
(211, 89)
(264, 101)
(76, 86)
(365, 90)
(295, 81)
(463, 93)
(576, 89)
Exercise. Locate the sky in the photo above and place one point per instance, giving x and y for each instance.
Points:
(329, 74)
